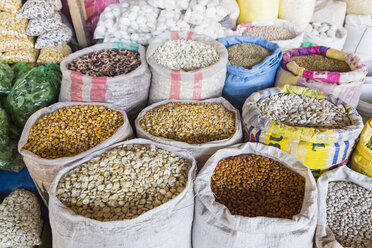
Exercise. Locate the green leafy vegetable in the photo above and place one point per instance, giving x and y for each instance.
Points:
(6, 78)
(19, 69)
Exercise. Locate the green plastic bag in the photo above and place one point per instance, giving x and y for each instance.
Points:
(6, 78)
(19, 69)
(34, 90)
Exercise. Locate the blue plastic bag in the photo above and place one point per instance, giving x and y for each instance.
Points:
(241, 82)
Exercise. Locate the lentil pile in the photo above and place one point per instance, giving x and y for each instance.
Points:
(20, 220)
(72, 130)
(369, 144)
(193, 123)
(124, 182)
(247, 55)
(270, 33)
(303, 111)
(349, 214)
(252, 185)
(106, 63)
(187, 55)
(316, 62)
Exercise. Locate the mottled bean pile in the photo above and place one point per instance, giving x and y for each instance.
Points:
(193, 123)
(106, 63)
(124, 182)
(316, 62)
(369, 144)
(72, 130)
(247, 55)
(251, 185)
(303, 111)
(20, 220)
(349, 214)
(187, 55)
(270, 33)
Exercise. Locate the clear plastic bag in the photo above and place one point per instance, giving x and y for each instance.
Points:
(15, 56)
(11, 26)
(6, 78)
(10, 6)
(33, 9)
(51, 55)
(40, 26)
(54, 38)
(11, 44)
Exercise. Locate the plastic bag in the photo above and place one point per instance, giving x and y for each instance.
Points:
(36, 89)
(25, 55)
(40, 26)
(10, 44)
(330, 12)
(54, 38)
(362, 156)
(299, 12)
(51, 55)
(11, 6)
(6, 78)
(33, 9)
(12, 27)
(253, 10)
(359, 7)
(19, 69)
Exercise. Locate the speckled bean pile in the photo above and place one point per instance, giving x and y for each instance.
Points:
(106, 63)
(124, 182)
(193, 123)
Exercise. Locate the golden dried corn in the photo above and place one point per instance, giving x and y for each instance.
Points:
(193, 123)
(10, 6)
(252, 185)
(15, 56)
(72, 130)
(11, 44)
(12, 27)
(50, 55)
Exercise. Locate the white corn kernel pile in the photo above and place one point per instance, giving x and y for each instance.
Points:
(304, 111)
(349, 214)
(20, 220)
(186, 55)
(124, 182)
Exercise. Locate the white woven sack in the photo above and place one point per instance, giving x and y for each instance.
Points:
(201, 152)
(330, 11)
(283, 44)
(324, 236)
(166, 226)
(299, 12)
(199, 84)
(214, 225)
(43, 170)
(128, 91)
(335, 42)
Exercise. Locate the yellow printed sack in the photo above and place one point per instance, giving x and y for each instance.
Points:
(362, 156)
(253, 10)
(318, 148)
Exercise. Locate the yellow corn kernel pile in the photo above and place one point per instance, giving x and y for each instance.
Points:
(193, 123)
(50, 55)
(252, 185)
(20, 55)
(72, 130)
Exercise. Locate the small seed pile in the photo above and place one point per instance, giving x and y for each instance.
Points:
(251, 185)
(72, 130)
(316, 62)
(303, 111)
(270, 33)
(247, 55)
(349, 214)
(193, 123)
(106, 63)
(20, 220)
(369, 144)
(124, 182)
(187, 55)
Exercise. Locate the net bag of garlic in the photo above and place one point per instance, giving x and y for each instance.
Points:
(282, 32)
(322, 68)
(63, 133)
(318, 129)
(139, 194)
(200, 127)
(186, 66)
(252, 66)
(361, 160)
(115, 73)
(344, 209)
(241, 202)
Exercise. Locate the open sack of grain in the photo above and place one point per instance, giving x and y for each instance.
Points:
(318, 129)
(63, 133)
(253, 195)
(361, 160)
(136, 194)
(322, 68)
